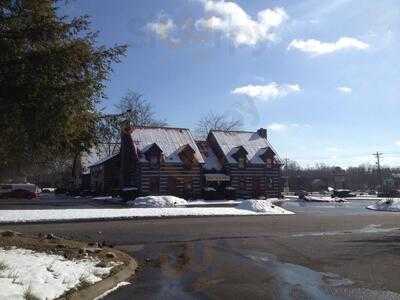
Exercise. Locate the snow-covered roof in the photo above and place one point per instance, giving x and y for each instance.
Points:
(170, 140)
(211, 161)
(99, 162)
(252, 142)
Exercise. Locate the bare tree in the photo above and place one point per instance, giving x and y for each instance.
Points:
(216, 121)
(138, 110)
(132, 107)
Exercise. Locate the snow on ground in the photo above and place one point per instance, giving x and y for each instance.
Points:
(46, 215)
(46, 276)
(199, 202)
(322, 199)
(104, 198)
(386, 204)
(157, 201)
(262, 206)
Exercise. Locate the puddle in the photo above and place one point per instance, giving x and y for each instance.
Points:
(347, 208)
(372, 228)
(298, 282)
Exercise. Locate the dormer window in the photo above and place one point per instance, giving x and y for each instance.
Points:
(153, 156)
(269, 162)
(242, 162)
(268, 156)
(241, 156)
(187, 156)
(154, 161)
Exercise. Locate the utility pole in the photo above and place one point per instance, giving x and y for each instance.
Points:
(378, 164)
(286, 188)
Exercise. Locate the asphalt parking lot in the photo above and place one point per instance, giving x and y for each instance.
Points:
(325, 251)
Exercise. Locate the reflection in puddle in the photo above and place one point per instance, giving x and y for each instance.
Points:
(298, 282)
(372, 228)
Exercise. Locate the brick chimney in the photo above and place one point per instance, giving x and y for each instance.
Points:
(262, 132)
(128, 153)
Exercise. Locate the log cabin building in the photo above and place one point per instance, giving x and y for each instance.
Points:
(104, 175)
(241, 164)
(161, 161)
(168, 161)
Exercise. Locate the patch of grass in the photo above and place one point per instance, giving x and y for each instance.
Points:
(28, 295)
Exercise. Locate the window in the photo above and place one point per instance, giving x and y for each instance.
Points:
(188, 187)
(154, 162)
(269, 162)
(242, 162)
(270, 182)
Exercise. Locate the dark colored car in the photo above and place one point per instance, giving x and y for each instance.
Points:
(60, 190)
(301, 194)
(342, 194)
(20, 194)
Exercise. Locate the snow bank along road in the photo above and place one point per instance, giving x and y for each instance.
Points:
(47, 215)
(25, 273)
(252, 257)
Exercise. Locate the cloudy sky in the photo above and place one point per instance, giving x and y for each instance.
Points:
(322, 76)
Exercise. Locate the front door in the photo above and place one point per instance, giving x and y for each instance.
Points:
(188, 188)
(155, 185)
(256, 189)
(172, 185)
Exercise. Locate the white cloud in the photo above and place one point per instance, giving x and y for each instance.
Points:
(286, 126)
(266, 92)
(162, 28)
(316, 47)
(234, 23)
(277, 127)
(397, 143)
(345, 89)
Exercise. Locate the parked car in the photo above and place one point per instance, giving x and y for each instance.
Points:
(342, 194)
(301, 194)
(20, 194)
(48, 190)
(19, 190)
(60, 190)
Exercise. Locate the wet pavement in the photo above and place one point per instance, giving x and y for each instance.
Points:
(353, 207)
(325, 251)
(235, 269)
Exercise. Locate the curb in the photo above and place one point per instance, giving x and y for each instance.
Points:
(99, 288)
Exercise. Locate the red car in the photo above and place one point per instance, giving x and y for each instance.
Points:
(19, 193)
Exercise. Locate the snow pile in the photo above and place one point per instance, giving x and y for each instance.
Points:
(58, 215)
(158, 201)
(46, 276)
(322, 199)
(262, 206)
(386, 204)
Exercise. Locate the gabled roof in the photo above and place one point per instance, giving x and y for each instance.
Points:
(103, 160)
(211, 161)
(252, 142)
(170, 140)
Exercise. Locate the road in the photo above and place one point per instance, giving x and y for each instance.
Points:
(319, 253)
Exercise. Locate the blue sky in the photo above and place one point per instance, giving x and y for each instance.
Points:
(322, 76)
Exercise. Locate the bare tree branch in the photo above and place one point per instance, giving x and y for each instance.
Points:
(216, 121)
(133, 107)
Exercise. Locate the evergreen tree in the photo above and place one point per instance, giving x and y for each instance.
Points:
(52, 76)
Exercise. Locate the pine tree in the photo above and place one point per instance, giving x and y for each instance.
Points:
(52, 76)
